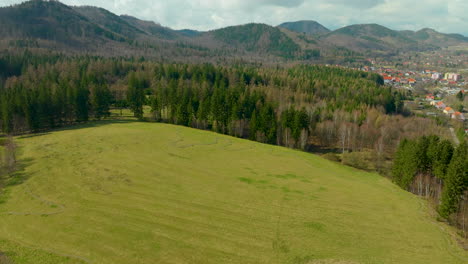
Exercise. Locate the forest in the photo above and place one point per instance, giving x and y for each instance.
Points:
(313, 108)
(434, 168)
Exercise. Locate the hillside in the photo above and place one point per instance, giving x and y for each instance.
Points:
(109, 21)
(133, 192)
(434, 38)
(257, 38)
(52, 21)
(189, 32)
(52, 26)
(306, 26)
(151, 28)
(371, 37)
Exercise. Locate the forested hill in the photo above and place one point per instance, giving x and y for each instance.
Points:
(258, 38)
(43, 26)
(307, 27)
(51, 21)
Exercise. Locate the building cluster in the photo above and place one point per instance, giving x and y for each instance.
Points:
(447, 78)
(401, 78)
(398, 77)
(394, 76)
(449, 111)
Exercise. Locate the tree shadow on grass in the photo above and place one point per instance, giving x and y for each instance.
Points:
(14, 178)
(75, 126)
(33, 135)
(322, 150)
(96, 123)
(19, 176)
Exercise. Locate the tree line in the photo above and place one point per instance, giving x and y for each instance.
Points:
(304, 107)
(432, 167)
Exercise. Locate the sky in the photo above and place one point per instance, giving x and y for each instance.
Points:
(448, 16)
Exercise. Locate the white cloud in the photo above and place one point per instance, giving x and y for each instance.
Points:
(443, 15)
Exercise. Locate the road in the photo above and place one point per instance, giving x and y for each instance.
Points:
(455, 138)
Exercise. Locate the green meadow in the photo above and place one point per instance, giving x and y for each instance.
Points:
(134, 192)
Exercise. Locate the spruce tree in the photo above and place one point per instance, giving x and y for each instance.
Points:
(456, 182)
(101, 98)
(441, 160)
(405, 163)
(135, 95)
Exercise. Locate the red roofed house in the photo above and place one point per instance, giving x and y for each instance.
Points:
(449, 111)
(458, 116)
(440, 105)
(388, 79)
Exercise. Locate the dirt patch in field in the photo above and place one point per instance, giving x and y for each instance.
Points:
(4, 259)
(332, 261)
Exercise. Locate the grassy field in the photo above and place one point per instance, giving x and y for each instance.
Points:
(130, 192)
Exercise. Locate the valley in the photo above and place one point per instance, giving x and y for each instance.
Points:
(233, 132)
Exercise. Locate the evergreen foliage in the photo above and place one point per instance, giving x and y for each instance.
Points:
(433, 157)
(271, 105)
(456, 182)
(136, 95)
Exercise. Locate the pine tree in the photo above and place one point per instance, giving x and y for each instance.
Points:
(405, 164)
(300, 123)
(82, 104)
(100, 101)
(423, 162)
(268, 123)
(135, 95)
(253, 126)
(456, 182)
(31, 112)
(441, 160)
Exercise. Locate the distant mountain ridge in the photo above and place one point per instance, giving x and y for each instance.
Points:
(306, 26)
(56, 26)
(376, 37)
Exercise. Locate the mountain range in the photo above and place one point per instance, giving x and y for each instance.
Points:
(51, 25)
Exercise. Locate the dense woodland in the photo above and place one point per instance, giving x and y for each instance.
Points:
(434, 168)
(306, 107)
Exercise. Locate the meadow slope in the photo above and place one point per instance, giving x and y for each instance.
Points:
(131, 192)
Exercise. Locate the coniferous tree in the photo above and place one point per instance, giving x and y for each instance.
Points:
(135, 95)
(405, 163)
(441, 159)
(300, 123)
(101, 98)
(456, 182)
(82, 104)
(268, 125)
(421, 154)
(32, 113)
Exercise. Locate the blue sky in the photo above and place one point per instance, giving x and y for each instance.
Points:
(449, 16)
